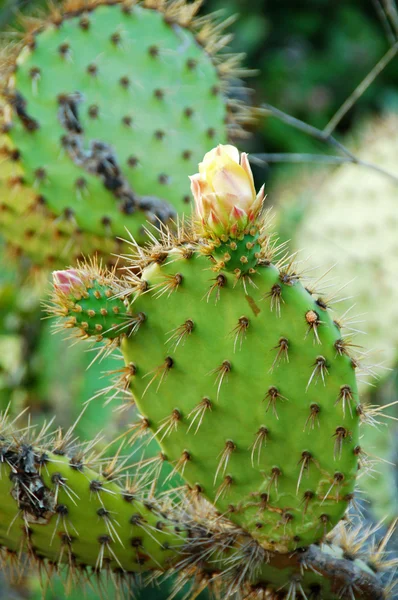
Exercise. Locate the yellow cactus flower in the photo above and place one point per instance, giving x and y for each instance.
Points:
(225, 197)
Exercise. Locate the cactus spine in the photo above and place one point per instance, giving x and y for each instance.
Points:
(83, 94)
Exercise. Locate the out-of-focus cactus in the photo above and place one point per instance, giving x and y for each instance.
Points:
(350, 223)
(107, 107)
(19, 325)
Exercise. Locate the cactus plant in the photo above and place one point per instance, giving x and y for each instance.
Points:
(245, 380)
(85, 92)
(228, 333)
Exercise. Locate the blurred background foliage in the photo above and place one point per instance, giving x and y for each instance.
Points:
(308, 57)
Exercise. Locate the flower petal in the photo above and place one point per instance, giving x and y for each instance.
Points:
(66, 280)
(232, 179)
(244, 162)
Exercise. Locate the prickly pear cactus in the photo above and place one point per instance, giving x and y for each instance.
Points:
(241, 373)
(350, 224)
(107, 107)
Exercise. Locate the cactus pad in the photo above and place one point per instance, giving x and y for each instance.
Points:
(57, 507)
(93, 306)
(358, 213)
(108, 108)
(249, 396)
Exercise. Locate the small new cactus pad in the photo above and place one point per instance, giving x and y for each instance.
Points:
(107, 107)
(65, 507)
(358, 237)
(92, 304)
(241, 372)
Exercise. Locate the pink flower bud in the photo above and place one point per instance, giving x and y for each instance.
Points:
(67, 280)
(224, 192)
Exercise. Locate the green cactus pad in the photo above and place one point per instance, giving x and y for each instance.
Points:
(247, 383)
(253, 402)
(109, 109)
(95, 308)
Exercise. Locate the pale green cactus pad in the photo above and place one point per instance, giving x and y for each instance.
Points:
(107, 109)
(256, 407)
(350, 224)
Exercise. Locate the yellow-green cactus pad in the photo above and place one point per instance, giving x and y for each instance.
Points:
(68, 512)
(106, 109)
